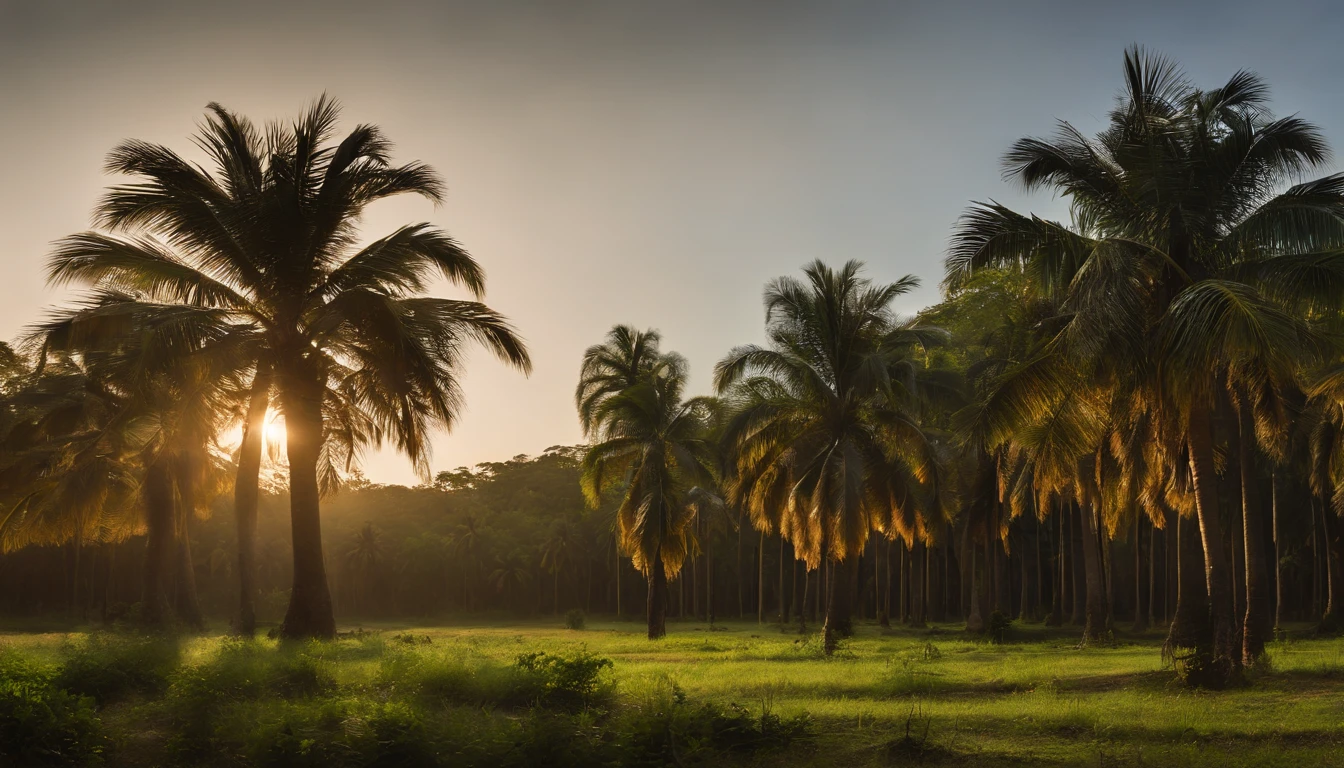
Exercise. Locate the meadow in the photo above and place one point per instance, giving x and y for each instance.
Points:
(736, 693)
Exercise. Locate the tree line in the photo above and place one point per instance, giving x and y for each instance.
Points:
(1133, 413)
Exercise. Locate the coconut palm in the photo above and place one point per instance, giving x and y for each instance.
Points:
(824, 427)
(363, 557)
(1185, 235)
(652, 446)
(341, 335)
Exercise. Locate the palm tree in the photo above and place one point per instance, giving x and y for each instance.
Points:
(1183, 234)
(341, 334)
(651, 445)
(824, 426)
(555, 556)
(363, 557)
(511, 572)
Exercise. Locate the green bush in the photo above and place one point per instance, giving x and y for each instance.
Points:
(41, 724)
(566, 681)
(574, 619)
(242, 670)
(999, 628)
(108, 667)
(666, 728)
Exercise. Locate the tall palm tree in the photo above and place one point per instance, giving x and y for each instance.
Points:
(363, 557)
(341, 334)
(556, 554)
(651, 445)
(1186, 253)
(824, 428)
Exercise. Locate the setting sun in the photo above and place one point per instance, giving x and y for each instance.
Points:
(274, 433)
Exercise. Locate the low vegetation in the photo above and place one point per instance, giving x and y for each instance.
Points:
(736, 694)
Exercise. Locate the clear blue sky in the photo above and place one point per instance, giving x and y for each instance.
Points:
(637, 162)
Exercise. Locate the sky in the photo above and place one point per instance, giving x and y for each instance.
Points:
(649, 163)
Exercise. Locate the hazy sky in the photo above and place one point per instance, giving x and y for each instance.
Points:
(620, 162)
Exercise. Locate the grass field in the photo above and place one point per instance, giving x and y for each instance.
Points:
(899, 697)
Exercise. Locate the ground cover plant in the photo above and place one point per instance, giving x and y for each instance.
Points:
(738, 694)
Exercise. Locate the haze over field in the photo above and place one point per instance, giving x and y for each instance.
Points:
(594, 148)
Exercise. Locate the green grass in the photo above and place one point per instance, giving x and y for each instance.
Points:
(459, 695)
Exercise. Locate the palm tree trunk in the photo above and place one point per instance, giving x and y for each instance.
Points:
(1190, 623)
(185, 604)
(1061, 576)
(245, 495)
(1255, 631)
(1079, 565)
(1040, 566)
(1278, 554)
(1094, 626)
(1225, 655)
(309, 613)
(160, 524)
(918, 570)
(1153, 591)
(802, 599)
(1333, 617)
(975, 618)
(783, 604)
(841, 588)
(741, 575)
(73, 595)
(709, 580)
(617, 547)
(1140, 616)
(657, 602)
(884, 588)
(760, 580)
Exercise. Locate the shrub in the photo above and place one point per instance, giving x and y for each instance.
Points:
(41, 724)
(242, 670)
(574, 619)
(999, 628)
(665, 727)
(108, 667)
(565, 681)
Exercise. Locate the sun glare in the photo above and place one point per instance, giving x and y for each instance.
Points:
(274, 431)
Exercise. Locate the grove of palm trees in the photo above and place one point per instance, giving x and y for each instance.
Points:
(1085, 509)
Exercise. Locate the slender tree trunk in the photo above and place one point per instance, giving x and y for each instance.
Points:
(185, 604)
(1079, 565)
(1039, 562)
(975, 619)
(618, 579)
(760, 580)
(783, 602)
(309, 613)
(245, 497)
(841, 587)
(741, 574)
(160, 524)
(1279, 591)
(1094, 626)
(1319, 568)
(1061, 574)
(1333, 616)
(709, 580)
(1140, 616)
(1255, 631)
(918, 581)
(904, 571)
(1153, 591)
(802, 602)
(1024, 598)
(884, 594)
(1226, 656)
